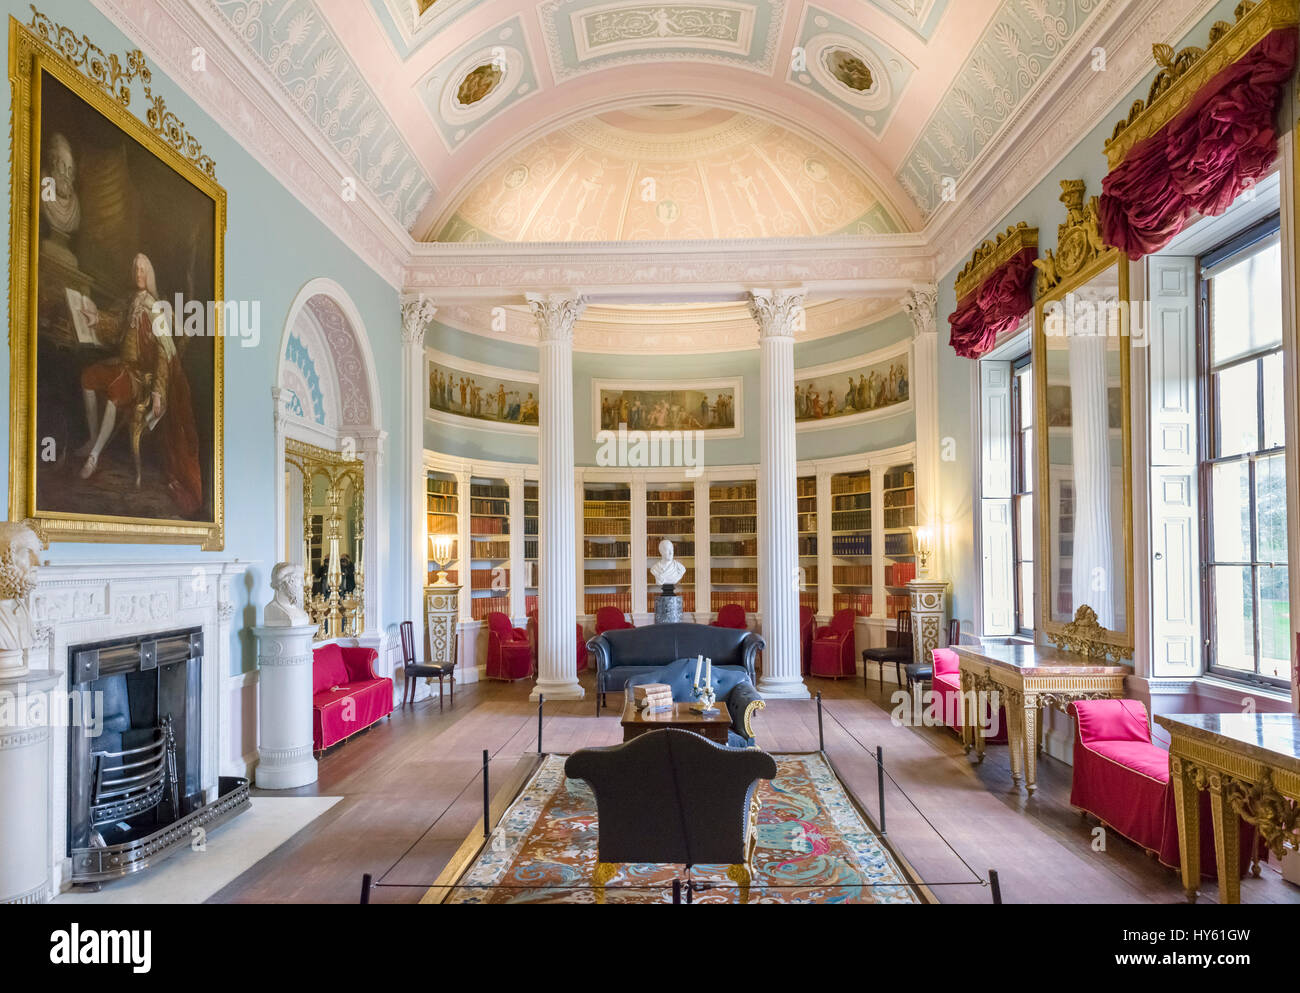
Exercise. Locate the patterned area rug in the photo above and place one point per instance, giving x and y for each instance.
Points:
(813, 847)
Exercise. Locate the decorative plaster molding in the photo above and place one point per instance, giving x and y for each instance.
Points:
(556, 314)
(417, 315)
(778, 313)
(922, 306)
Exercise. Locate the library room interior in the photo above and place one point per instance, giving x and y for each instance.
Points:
(597, 452)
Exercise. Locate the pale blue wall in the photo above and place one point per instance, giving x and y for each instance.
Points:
(504, 446)
(274, 246)
(1041, 208)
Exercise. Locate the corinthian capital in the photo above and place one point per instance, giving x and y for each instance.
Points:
(556, 314)
(922, 306)
(417, 315)
(778, 313)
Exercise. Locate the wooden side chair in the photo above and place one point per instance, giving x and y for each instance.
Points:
(430, 670)
(899, 653)
(923, 672)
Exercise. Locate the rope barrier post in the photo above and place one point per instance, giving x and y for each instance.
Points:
(996, 887)
(487, 802)
(880, 780)
(821, 733)
(541, 700)
(677, 891)
(365, 889)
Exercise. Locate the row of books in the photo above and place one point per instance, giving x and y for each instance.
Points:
(681, 549)
(726, 507)
(899, 478)
(900, 498)
(671, 494)
(851, 520)
(685, 526)
(530, 550)
(489, 549)
(489, 525)
(442, 505)
(895, 603)
(904, 518)
(747, 600)
(439, 524)
(481, 607)
(671, 510)
(607, 577)
(851, 484)
(595, 525)
(732, 577)
(530, 525)
(616, 495)
(808, 486)
(851, 544)
(747, 491)
(592, 602)
(606, 549)
(734, 525)
(859, 602)
(490, 579)
(606, 508)
(447, 486)
(807, 522)
(734, 549)
(853, 575)
(808, 545)
(898, 545)
(486, 490)
(808, 599)
(900, 573)
(499, 508)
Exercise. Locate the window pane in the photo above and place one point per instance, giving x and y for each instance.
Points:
(1024, 529)
(1026, 595)
(1027, 461)
(1270, 509)
(1274, 411)
(1230, 528)
(1247, 302)
(1234, 617)
(1025, 382)
(1237, 408)
(1274, 622)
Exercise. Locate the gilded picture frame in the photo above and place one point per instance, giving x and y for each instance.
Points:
(174, 490)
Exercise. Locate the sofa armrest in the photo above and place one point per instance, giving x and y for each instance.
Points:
(751, 646)
(743, 703)
(599, 646)
(360, 662)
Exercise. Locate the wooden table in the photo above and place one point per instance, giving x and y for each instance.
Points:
(1250, 763)
(1027, 678)
(714, 726)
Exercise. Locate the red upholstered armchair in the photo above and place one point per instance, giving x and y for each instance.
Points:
(582, 648)
(946, 685)
(807, 624)
(732, 615)
(509, 654)
(832, 647)
(347, 695)
(1122, 778)
(608, 619)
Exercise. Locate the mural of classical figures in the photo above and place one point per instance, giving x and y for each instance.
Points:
(481, 393)
(852, 389)
(706, 407)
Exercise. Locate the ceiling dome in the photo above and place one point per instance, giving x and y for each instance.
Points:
(665, 173)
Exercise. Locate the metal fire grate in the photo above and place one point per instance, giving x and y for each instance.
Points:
(133, 780)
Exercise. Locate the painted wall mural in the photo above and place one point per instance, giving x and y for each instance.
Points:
(463, 389)
(859, 388)
(711, 407)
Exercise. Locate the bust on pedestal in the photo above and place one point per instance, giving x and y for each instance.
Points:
(667, 572)
(284, 658)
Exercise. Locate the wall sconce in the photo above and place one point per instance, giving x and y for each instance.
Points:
(924, 547)
(440, 551)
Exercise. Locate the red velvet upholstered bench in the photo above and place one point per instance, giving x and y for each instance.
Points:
(347, 695)
(946, 686)
(1122, 778)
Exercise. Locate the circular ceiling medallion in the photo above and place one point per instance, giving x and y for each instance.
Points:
(848, 72)
(479, 84)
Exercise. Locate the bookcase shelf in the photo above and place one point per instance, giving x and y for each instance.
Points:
(607, 546)
(899, 495)
(851, 543)
(733, 545)
(442, 507)
(670, 514)
(489, 540)
(531, 514)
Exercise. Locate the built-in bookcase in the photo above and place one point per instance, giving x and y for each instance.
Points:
(733, 545)
(530, 546)
(808, 552)
(899, 495)
(851, 542)
(670, 513)
(489, 538)
(607, 546)
(443, 511)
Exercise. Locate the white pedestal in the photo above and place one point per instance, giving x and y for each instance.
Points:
(929, 604)
(284, 740)
(24, 787)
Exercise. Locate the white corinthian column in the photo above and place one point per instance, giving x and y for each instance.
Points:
(557, 562)
(778, 314)
(417, 314)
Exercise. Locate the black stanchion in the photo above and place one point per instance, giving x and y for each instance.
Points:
(541, 699)
(821, 734)
(996, 887)
(487, 798)
(880, 781)
(677, 891)
(365, 889)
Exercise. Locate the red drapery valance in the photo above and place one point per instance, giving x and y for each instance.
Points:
(1201, 161)
(997, 305)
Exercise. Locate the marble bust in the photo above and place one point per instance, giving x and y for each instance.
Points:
(19, 557)
(668, 572)
(285, 610)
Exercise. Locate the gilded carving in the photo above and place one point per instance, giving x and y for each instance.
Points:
(1079, 242)
(1085, 636)
(992, 255)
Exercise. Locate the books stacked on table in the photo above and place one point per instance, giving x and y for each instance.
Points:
(653, 698)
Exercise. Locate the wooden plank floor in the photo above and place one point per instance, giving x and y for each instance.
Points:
(412, 791)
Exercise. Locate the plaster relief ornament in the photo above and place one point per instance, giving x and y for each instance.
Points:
(285, 610)
(849, 69)
(668, 572)
(478, 83)
(19, 548)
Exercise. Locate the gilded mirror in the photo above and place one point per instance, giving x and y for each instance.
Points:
(1081, 383)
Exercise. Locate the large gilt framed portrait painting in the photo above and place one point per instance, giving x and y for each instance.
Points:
(116, 304)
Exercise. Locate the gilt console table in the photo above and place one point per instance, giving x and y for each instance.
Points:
(1250, 763)
(1026, 679)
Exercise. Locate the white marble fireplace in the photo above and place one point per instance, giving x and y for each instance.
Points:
(80, 604)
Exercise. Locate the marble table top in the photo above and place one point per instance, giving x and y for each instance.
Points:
(1266, 737)
(1031, 659)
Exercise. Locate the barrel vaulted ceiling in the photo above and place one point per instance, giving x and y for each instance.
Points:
(438, 105)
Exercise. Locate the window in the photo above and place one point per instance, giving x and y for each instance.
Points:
(1243, 459)
(1022, 490)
